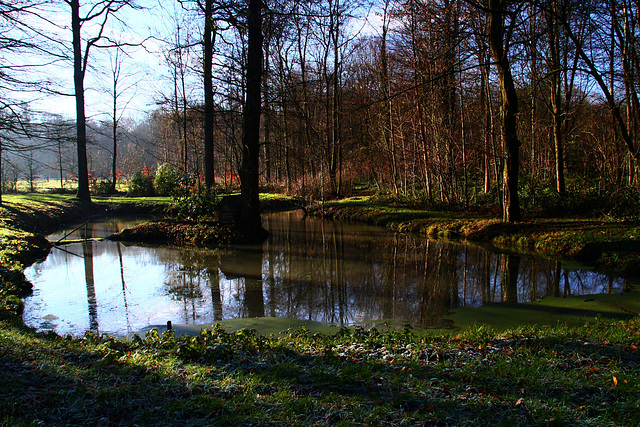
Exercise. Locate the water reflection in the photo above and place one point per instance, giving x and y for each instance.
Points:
(87, 256)
(308, 269)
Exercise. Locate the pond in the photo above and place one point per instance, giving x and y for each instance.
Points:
(309, 269)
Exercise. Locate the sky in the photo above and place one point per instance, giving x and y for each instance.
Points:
(144, 75)
(142, 65)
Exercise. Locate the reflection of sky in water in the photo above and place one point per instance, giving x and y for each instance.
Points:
(61, 289)
(331, 272)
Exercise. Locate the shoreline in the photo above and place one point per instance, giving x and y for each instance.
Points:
(611, 246)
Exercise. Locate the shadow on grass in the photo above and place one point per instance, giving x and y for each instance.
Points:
(305, 379)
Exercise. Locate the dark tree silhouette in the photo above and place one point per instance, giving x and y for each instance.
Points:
(499, 45)
(249, 172)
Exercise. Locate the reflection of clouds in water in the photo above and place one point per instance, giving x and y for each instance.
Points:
(309, 269)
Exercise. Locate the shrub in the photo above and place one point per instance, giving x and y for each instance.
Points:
(582, 199)
(196, 205)
(141, 184)
(166, 180)
(102, 187)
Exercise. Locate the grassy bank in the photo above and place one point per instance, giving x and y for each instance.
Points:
(609, 245)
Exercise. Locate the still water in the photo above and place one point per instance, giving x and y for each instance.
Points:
(309, 269)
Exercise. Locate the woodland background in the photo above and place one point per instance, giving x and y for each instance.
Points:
(409, 98)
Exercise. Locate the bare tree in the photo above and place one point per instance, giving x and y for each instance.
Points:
(499, 42)
(17, 39)
(207, 47)
(99, 12)
(119, 87)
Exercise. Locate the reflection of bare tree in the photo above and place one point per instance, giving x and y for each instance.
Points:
(124, 286)
(388, 304)
(87, 254)
(485, 277)
(270, 282)
(510, 269)
(555, 283)
(216, 300)
(186, 285)
(567, 285)
(249, 271)
(335, 276)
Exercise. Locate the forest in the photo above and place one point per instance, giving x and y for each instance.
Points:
(516, 107)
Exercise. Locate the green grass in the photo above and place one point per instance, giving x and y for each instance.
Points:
(527, 376)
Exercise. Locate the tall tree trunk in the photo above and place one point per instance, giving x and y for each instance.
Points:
(116, 72)
(1, 180)
(267, 117)
(509, 113)
(185, 141)
(556, 98)
(209, 172)
(81, 120)
(114, 158)
(59, 163)
(335, 119)
(249, 173)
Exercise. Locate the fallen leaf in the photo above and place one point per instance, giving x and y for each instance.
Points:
(615, 381)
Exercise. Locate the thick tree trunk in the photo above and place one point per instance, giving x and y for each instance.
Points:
(509, 113)
(267, 118)
(249, 173)
(209, 171)
(81, 121)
